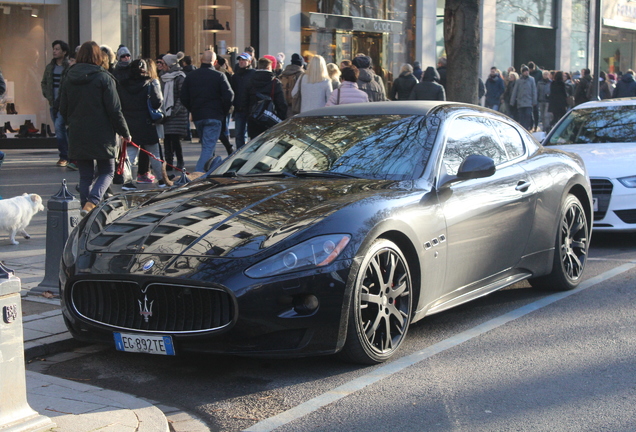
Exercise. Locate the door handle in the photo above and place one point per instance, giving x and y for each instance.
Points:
(522, 186)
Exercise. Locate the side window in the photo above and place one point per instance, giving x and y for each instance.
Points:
(510, 138)
(467, 136)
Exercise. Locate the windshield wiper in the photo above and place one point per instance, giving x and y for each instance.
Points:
(305, 173)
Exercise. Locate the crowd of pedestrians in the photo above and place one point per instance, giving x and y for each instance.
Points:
(141, 104)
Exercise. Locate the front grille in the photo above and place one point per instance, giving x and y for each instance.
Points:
(627, 216)
(602, 191)
(160, 308)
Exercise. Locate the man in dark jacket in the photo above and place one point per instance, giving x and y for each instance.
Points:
(495, 88)
(52, 81)
(207, 94)
(428, 88)
(368, 81)
(264, 82)
(626, 86)
(239, 81)
(441, 71)
(581, 90)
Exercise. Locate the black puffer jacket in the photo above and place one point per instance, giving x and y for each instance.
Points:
(403, 86)
(91, 108)
(428, 89)
(134, 94)
(262, 82)
(207, 94)
(625, 87)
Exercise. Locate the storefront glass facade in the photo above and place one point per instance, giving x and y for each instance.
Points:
(26, 34)
(618, 40)
(339, 29)
(522, 25)
(222, 25)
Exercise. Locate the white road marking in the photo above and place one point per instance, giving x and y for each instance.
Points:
(398, 365)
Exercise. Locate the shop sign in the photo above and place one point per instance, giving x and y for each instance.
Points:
(341, 22)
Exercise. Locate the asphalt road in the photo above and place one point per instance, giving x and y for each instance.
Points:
(516, 360)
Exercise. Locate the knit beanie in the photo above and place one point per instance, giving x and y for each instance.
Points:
(273, 59)
(361, 62)
(122, 51)
(172, 59)
(297, 60)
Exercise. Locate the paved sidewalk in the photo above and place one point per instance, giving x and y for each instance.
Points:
(73, 406)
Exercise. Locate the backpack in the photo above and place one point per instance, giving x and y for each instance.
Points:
(288, 82)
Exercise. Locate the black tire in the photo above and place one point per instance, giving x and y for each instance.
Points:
(380, 311)
(570, 255)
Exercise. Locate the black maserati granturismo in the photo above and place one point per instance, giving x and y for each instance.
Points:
(330, 233)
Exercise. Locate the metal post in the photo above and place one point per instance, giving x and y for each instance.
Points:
(62, 216)
(15, 413)
(596, 71)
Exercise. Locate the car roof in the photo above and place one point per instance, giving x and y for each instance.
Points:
(384, 108)
(608, 103)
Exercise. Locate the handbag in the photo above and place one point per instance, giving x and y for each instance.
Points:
(155, 114)
(263, 112)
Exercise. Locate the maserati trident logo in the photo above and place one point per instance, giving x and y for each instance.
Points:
(148, 265)
(145, 309)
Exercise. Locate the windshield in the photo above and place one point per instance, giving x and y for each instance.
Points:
(614, 124)
(386, 147)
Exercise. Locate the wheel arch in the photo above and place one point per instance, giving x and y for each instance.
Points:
(581, 193)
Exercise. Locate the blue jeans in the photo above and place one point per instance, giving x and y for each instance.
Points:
(209, 131)
(60, 133)
(240, 128)
(105, 173)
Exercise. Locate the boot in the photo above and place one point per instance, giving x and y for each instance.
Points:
(49, 132)
(31, 127)
(2, 134)
(22, 133)
(11, 108)
(43, 131)
(8, 128)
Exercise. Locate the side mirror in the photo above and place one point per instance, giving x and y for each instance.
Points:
(476, 166)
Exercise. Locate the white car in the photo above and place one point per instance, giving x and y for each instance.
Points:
(603, 133)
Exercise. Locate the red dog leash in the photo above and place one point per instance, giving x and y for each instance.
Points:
(123, 154)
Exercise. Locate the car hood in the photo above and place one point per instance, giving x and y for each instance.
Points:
(220, 218)
(605, 160)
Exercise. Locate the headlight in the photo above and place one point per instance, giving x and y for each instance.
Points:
(315, 252)
(629, 182)
(70, 249)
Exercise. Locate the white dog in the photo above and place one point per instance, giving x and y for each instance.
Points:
(16, 214)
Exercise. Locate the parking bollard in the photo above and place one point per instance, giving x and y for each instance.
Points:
(15, 413)
(63, 214)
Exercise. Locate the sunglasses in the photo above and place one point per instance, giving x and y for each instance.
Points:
(124, 55)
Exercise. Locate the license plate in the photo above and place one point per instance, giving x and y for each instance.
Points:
(144, 344)
(595, 204)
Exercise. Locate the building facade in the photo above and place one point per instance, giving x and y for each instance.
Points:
(555, 34)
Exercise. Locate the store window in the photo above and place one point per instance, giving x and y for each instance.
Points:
(339, 29)
(222, 25)
(26, 34)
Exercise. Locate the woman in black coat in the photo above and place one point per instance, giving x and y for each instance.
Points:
(91, 108)
(134, 93)
(558, 98)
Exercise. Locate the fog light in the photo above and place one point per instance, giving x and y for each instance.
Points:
(305, 304)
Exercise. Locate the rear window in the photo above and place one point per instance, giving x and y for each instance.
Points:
(611, 124)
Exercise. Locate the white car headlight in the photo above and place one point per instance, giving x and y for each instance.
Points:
(629, 182)
(316, 252)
